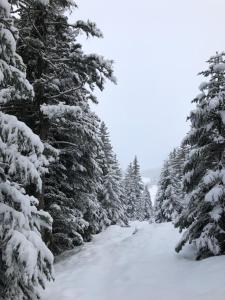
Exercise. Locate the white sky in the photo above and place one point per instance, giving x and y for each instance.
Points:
(158, 47)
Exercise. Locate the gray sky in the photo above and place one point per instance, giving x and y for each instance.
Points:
(158, 47)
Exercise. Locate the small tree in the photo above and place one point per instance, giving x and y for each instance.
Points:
(147, 209)
(133, 191)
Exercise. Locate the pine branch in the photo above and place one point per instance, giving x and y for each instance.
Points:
(66, 92)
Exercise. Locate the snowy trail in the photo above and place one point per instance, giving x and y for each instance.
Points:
(143, 266)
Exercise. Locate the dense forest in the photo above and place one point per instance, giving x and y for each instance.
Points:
(61, 181)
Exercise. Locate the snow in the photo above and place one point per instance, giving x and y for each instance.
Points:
(216, 213)
(214, 103)
(89, 27)
(222, 114)
(16, 138)
(43, 2)
(188, 175)
(203, 86)
(5, 5)
(220, 67)
(214, 194)
(137, 262)
(59, 110)
(153, 191)
(200, 96)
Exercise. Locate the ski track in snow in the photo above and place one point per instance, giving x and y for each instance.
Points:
(121, 265)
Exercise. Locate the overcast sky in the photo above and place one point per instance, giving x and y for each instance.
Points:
(158, 47)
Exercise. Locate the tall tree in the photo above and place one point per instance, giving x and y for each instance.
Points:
(64, 80)
(112, 194)
(203, 218)
(25, 261)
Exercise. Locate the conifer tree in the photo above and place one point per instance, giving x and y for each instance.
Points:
(130, 198)
(139, 187)
(25, 261)
(203, 218)
(169, 199)
(164, 182)
(112, 193)
(146, 208)
(133, 190)
(64, 80)
(77, 175)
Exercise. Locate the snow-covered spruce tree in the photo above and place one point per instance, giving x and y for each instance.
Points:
(64, 79)
(172, 204)
(133, 191)
(130, 198)
(25, 261)
(203, 218)
(76, 210)
(169, 199)
(177, 163)
(164, 183)
(111, 195)
(119, 175)
(69, 226)
(58, 68)
(138, 189)
(147, 209)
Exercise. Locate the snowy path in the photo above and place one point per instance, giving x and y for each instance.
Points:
(119, 265)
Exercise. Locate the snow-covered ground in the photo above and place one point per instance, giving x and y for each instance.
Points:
(142, 266)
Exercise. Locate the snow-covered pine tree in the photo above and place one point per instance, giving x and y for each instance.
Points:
(203, 218)
(169, 199)
(177, 171)
(64, 79)
(106, 155)
(25, 261)
(172, 204)
(133, 190)
(130, 198)
(147, 208)
(76, 211)
(164, 182)
(111, 195)
(58, 68)
(138, 188)
(119, 175)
